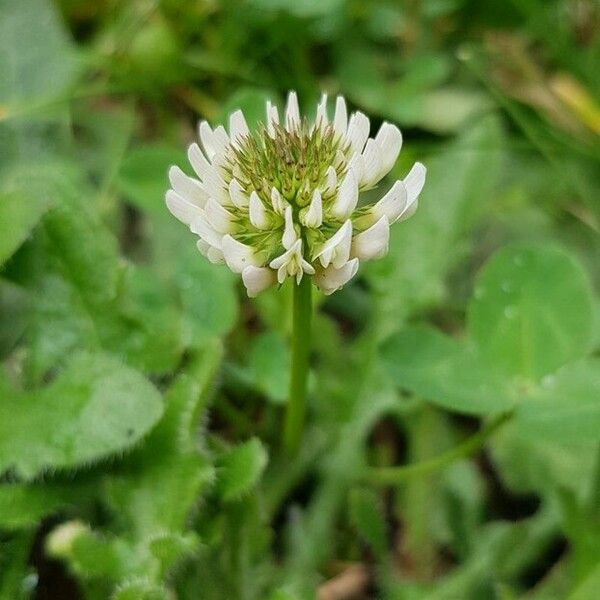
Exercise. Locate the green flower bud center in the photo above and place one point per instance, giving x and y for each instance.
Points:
(294, 162)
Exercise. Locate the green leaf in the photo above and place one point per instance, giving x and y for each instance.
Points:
(208, 293)
(85, 249)
(140, 590)
(145, 326)
(95, 408)
(168, 549)
(14, 315)
(36, 57)
(589, 587)
(89, 554)
(367, 517)
(15, 553)
(143, 180)
(566, 406)
(19, 214)
(532, 311)
(158, 486)
(269, 365)
(24, 505)
(445, 372)
(239, 469)
(38, 65)
(531, 464)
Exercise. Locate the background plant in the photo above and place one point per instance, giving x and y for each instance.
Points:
(451, 449)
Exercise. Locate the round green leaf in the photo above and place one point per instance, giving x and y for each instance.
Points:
(532, 311)
(565, 406)
(441, 370)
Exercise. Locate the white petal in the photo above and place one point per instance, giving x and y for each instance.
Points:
(414, 181)
(307, 267)
(357, 165)
(347, 197)
(207, 138)
(272, 118)
(257, 279)
(218, 217)
(237, 255)
(389, 140)
(313, 217)
(330, 181)
(187, 187)
(321, 119)
(358, 132)
(201, 227)
(212, 182)
(292, 112)
(284, 258)
(393, 204)
(238, 196)
(221, 140)
(331, 279)
(238, 128)
(337, 248)
(257, 212)
(181, 209)
(372, 164)
(277, 202)
(289, 233)
(203, 247)
(281, 273)
(198, 161)
(373, 242)
(340, 119)
(215, 256)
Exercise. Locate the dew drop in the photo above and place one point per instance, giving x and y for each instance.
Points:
(510, 312)
(507, 286)
(518, 260)
(479, 293)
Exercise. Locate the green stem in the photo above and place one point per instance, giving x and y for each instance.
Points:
(301, 329)
(397, 475)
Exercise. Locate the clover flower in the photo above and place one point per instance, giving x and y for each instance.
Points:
(283, 201)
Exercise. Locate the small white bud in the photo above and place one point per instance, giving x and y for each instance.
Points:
(257, 212)
(347, 197)
(239, 198)
(313, 216)
(278, 202)
(289, 232)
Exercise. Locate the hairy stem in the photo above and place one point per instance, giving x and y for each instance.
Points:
(301, 331)
(397, 475)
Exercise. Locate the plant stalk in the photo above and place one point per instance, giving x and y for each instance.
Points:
(397, 475)
(301, 332)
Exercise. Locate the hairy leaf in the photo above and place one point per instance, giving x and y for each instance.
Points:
(95, 408)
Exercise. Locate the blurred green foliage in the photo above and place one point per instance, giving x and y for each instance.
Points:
(141, 392)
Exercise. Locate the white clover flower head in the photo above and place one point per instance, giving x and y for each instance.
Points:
(282, 201)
